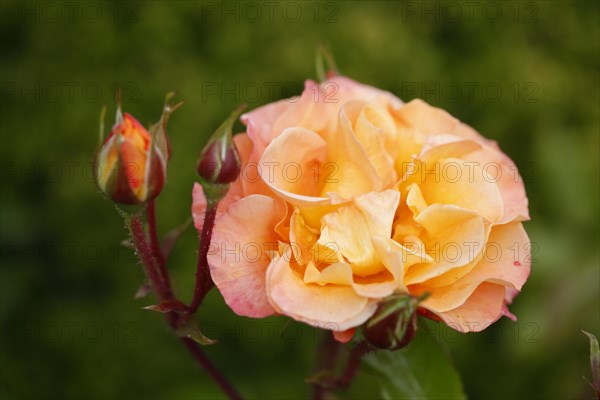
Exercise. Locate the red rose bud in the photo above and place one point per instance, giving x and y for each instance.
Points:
(130, 165)
(394, 324)
(219, 161)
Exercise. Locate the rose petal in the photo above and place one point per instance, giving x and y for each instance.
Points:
(505, 263)
(396, 259)
(341, 274)
(416, 121)
(455, 181)
(290, 164)
(510, 183)
(504, 172)
(375, 131)
(348, 230)
(455, 238)
(427, 119)
(415, 200)
(243, 238)
(446, 145)
(315, 109)
(481, 309)
(344, 336)
(353, 173)
(332, 307)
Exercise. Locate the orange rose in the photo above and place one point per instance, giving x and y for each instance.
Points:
(347, 196)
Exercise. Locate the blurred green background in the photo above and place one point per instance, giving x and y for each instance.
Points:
(523, 73)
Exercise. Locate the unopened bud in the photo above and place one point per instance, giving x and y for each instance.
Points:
(394, 324)
(130, 169)
(131, 164)
(219, 162)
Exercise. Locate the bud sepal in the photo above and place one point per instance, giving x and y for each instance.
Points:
(394, 324)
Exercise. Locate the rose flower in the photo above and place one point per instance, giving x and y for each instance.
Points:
(347, 195)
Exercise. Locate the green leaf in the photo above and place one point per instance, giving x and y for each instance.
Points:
(325, 63)
(199, 337)
(192, 330)
(421, 371)
(324, 378)
(173, 236)
(167, 306)
(594, 361)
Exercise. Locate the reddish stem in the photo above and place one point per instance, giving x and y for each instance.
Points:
(329, 352)
(163, 290)
(204, 281)
(154, 242)
(151, 266)
(209, 367)
(353, 365)
(155, 245)
(327, 357)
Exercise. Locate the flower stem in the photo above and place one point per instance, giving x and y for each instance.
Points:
(328, 353)
(356, 354)
(210, 368)
(163, 290)
(151, 266)
(204, 281)
(155, 247)
(154, 242)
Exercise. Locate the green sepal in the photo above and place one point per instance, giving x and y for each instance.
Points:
(595, 362)
(325, 63)
(214, 192)
(192, 330)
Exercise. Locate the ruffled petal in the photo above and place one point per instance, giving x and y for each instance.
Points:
(348, 230)
(377, 287)
(375, 131)
(290, 166)
(243, 239)
(503, 171)
(455, 237)
(353, 173)
(332, 307)
(481, 309)
(455, 181)
(505, 262)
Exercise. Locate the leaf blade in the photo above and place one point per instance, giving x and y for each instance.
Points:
(421, 371)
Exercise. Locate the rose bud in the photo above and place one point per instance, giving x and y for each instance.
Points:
(130, 165)
(394, 323)
(219, 162)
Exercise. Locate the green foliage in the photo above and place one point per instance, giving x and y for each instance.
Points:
(422, 371)
(594, 361)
